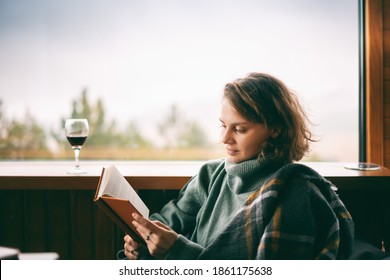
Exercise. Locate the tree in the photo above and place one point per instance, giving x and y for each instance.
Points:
(193, 136)
(17, 138)
(178, 132)
(103, 133)
(4, 126)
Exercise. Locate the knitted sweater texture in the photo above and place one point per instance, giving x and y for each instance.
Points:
(257, 210)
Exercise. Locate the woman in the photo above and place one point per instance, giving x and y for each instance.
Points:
(255, 203)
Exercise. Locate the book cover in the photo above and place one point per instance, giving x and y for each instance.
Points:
(118, 200)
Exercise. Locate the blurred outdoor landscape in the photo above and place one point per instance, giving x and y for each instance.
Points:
(148, 75)
(179, 138)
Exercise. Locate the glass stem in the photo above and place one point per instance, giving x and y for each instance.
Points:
(76, 157)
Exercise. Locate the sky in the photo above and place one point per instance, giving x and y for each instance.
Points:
(142, 56)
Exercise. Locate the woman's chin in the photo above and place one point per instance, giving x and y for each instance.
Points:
(234, 159)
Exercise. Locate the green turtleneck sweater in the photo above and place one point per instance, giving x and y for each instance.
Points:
(209, 201)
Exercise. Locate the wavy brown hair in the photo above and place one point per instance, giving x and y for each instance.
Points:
(262, 98)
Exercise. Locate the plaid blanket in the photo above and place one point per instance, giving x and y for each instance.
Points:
(294, 215)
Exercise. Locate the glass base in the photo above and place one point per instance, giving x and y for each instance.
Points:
(365, 166)
(77, 170)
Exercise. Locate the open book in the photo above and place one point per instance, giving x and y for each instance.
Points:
(115, 196)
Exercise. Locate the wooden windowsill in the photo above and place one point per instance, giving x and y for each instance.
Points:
(29, 175)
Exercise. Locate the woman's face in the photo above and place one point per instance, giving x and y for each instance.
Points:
(242, 138)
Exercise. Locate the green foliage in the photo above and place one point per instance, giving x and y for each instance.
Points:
(27, 139)
(193, 136)
(19, 137)
(102, 132)
(177, 132)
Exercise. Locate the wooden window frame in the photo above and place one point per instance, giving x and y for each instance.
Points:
(371, 111)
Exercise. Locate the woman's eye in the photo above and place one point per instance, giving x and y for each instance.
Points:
(240, 130)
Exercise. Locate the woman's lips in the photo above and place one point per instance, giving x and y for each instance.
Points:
(231, 152)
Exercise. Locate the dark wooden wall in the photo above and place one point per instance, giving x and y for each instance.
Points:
(64, 221)
(370, 211)
(69, 223)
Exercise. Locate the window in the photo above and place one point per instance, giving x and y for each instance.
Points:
(149, 74)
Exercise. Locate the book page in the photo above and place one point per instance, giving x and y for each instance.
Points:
(115, 185)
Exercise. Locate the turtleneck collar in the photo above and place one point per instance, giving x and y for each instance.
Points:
(249, 175)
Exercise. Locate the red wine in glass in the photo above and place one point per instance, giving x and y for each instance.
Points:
(76, 131)
(76, 141)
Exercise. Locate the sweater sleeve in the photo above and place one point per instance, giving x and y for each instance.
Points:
(184, 249)
(180, 214)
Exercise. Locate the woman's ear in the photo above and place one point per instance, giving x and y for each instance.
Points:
(275, 132)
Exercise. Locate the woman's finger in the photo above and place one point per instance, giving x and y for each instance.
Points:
(145, 227)
(130, 252)
(131, 248)
(131, 241)
(159, 237)
(158, 223)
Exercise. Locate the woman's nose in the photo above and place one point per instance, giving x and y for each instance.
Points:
(226, 136)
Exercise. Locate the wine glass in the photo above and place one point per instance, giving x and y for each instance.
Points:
(76, 131)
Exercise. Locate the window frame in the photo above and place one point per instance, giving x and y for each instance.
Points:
(362, 83)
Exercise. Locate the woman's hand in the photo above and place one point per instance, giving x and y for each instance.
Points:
(159, 237)
(131, 248)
